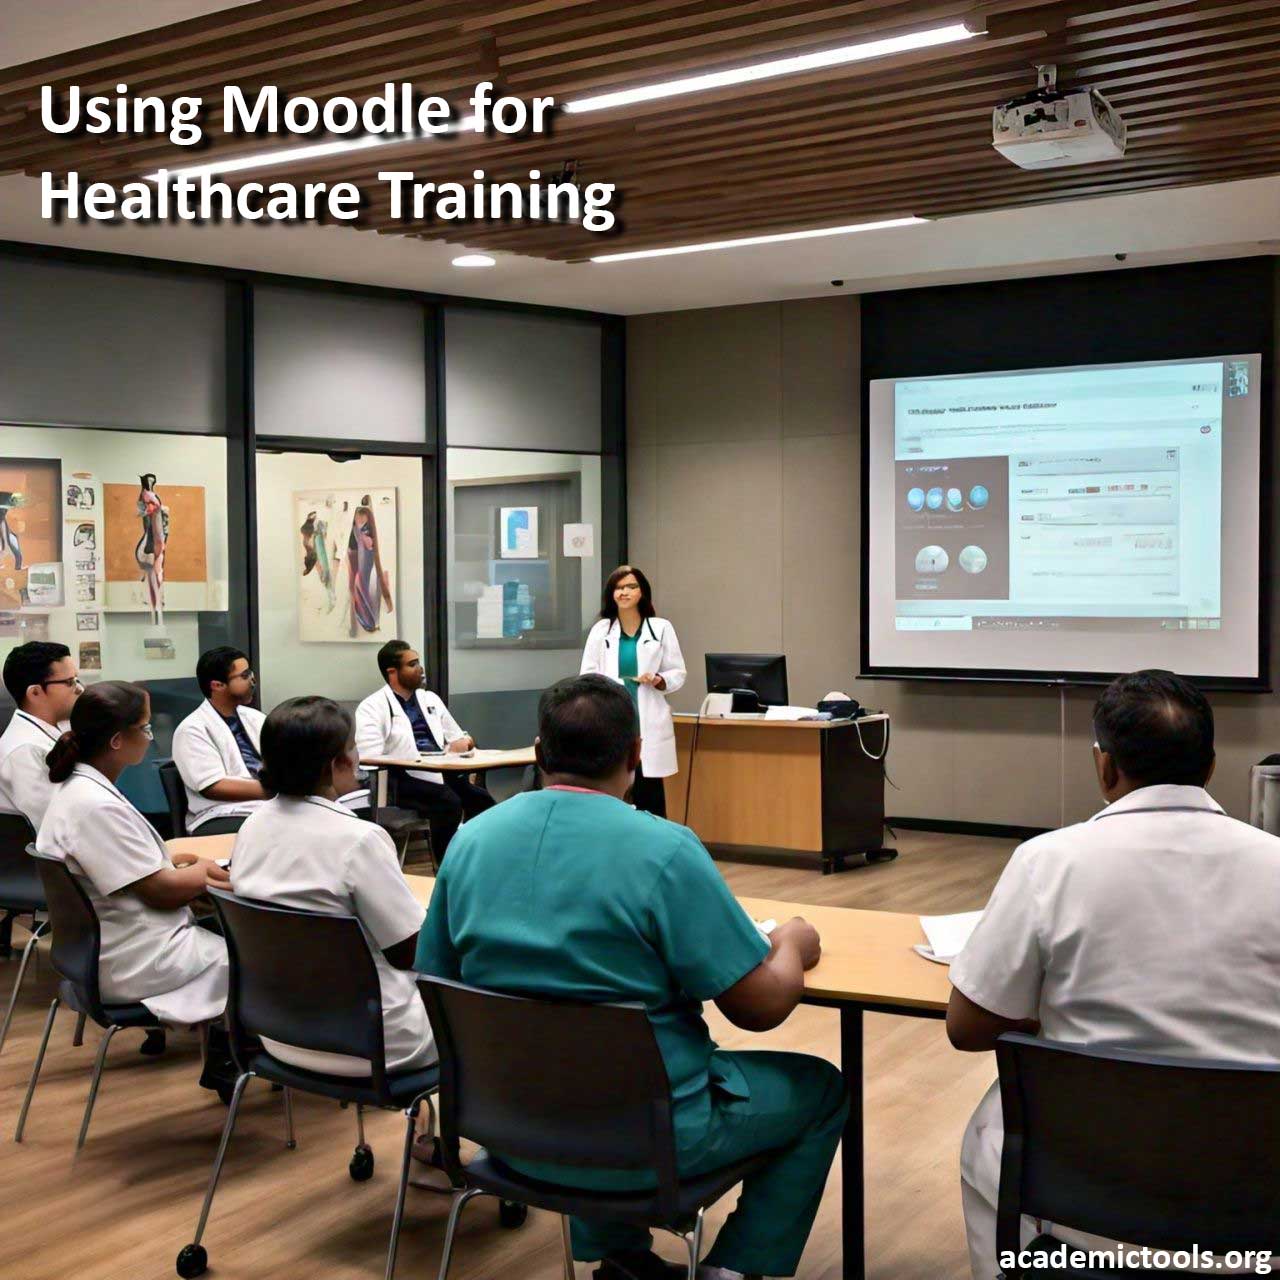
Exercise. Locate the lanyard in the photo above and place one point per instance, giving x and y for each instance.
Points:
(39, 724)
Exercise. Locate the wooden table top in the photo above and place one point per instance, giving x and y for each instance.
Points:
(866, 955)
(477, 763)
(687, 718)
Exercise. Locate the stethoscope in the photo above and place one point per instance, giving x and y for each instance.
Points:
(39, 724)
(648, 622)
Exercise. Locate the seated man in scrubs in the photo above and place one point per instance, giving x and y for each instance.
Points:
(569, 892)
(1151, 927)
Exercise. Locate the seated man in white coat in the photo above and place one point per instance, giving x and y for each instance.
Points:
(42, 681)
(1151, 927)
(404, 720)
(216, 747)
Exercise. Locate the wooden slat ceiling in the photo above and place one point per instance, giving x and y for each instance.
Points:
(1198, 82)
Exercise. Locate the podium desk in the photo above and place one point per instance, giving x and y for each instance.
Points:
(808, 787)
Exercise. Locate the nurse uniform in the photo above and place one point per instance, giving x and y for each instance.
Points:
(312, 854)
(156, 956)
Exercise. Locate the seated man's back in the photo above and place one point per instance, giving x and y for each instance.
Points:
(574, 894)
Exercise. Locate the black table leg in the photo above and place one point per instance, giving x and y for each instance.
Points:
(852, 1197)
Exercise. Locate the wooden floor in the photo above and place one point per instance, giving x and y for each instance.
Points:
(124, 1207)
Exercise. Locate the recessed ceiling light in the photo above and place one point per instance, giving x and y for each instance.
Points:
(744, 241)
(475, 260)
(646, 93)
(776, 67)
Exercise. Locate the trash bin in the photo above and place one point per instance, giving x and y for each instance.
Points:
(1264, 797)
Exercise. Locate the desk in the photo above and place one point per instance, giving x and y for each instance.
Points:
(480, 762)
(799, 786)
(867, 963)
(214, 847)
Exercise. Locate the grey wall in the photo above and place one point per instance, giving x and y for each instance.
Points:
(338, 366)
(521, 381)
(743, 500)
(111, 347)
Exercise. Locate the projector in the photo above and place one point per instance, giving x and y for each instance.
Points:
(1051, 129)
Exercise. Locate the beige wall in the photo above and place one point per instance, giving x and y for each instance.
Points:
(743, 507)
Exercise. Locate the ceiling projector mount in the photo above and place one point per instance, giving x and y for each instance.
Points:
(1050, 128)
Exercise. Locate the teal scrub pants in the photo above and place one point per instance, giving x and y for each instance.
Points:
(797, 1108)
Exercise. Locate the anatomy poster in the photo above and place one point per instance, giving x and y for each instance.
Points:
(347, 572)
(155, 547)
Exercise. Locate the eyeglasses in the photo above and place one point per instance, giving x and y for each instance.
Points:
(242, 675)
(146, 731)
(70, 682)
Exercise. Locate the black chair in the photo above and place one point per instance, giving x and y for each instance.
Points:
(21, 894)
(399, 823)
(175, 793)
(1172, 1152)
(77, 941)
(575, 1084)
(308, 979)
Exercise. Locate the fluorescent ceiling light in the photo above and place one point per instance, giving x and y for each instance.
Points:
(845, 54)
(778, 67)
(750, 240)
(475, 260)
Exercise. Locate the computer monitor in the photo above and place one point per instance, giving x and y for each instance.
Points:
(764, 673)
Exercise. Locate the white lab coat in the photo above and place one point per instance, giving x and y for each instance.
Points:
(205, 751)
(383, 729)
(157, 957)
(24, 777)
(314, 855)
(1151, 927)
(657, 653)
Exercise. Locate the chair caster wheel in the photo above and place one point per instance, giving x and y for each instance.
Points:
(361, 1166)
(511, 1214)
(881, 855)
(192, 1261)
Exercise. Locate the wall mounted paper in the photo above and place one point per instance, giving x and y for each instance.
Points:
(580, 540)
(155, 555)
(518, 532)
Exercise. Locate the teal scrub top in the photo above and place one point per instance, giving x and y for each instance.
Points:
(628, 665)
(576, 895)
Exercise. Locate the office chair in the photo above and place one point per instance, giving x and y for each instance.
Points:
(77, 942)
(1157, 1151)
(308, 979)
(21, 894)
(400, 824)
(576, 1084)
(175, 793)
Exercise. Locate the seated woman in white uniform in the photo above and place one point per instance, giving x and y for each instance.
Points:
(152, 949)
(303, 849)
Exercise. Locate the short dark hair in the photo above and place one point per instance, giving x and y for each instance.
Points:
(29, 664)
(609, 606)
(299, 739)
(389, 655)
(586, 727)
(216, 664)
(1157, 727)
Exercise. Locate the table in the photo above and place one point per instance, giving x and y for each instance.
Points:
(867, 964)
(479, 762)
(813, 787)
(214, 847)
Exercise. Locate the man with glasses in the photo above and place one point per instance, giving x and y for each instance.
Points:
(216, 747)
(42, 681)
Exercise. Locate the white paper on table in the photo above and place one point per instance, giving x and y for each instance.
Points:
(947, 935)
(580, 540)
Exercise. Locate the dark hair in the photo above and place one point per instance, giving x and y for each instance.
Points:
(299, 740)
(389, 655)
(586, 727)
(609, 606)
(100, 712)
(216, 664)
(1157, 727)
(29, 664)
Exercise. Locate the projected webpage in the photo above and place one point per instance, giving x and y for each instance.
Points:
(1081, 499)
